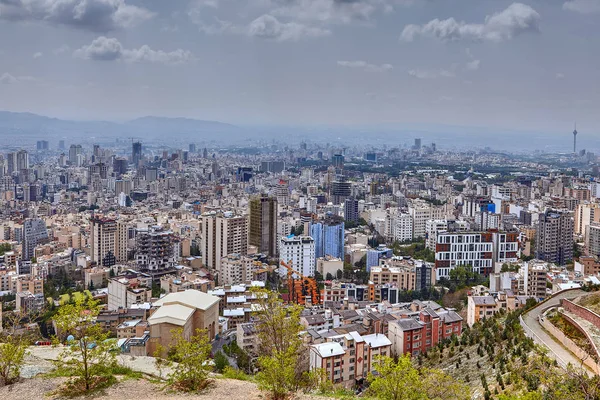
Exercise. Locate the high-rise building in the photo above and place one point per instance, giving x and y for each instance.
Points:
(263, 225)
(136, 153)
(34, 233)
(329, 238)
(340, 191)
(42, 145)
(103, 241)
(479, 250)
(592, 239)
(554, 237)
(155, 249)
(222, 234)
(282, 191)
(120, 166)
(74, 151)
(299, 253)
(337, 160)
(351, 213)
(22, 160)
(417, 145)
(61, 144)
(11, 163)
(192, 148)
(205, 153)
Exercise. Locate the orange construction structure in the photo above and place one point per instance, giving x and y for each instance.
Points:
(303, 290)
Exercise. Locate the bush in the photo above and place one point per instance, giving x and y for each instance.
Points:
(232, 373)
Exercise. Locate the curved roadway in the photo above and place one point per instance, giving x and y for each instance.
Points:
(533, 329)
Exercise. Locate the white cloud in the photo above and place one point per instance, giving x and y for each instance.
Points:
(62, 49)
(365, 66)
(515, 20)
(7, 79)
(473, 65)
(583, 6)
(37, 55)
(110, 49)
(93, 15)
(431, 74)
(269, 27)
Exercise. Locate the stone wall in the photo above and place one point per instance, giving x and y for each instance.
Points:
(570, 345)
(582, 312)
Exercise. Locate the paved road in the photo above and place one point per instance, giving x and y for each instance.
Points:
(217, 345)
(540, 336)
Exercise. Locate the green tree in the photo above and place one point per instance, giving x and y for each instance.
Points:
(189, 358)
(13, 348)
(88, 357)
(396, 380)
(283, 359)
(221, 361)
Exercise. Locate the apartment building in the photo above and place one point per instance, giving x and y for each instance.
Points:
(299, 253)
(480, 307)
(535, 276)
(348, 359)
(155, 250)
(423, 329)
(124, 292)
(222, 233)
(237, 268)
(103, 241)
(480, 250)
(554, 242)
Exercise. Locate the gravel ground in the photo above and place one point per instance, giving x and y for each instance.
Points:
(40, 388)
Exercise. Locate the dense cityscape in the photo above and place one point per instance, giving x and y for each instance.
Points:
(391, 253)
(299, 199)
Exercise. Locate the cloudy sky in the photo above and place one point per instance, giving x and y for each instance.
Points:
(490, 63)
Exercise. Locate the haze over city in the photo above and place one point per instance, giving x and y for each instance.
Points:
(300, 199)
(417, 64)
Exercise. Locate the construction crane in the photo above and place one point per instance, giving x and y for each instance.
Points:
(303, 290)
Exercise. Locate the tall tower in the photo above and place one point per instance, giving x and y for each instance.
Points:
(575, 139)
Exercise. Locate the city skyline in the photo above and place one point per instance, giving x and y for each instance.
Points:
(493, 64)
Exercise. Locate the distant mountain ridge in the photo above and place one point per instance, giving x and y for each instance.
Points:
(150, 127)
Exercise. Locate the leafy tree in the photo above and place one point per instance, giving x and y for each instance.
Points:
(329, 277)
(396, 380)
(283, 358)
(339, 274)
(88, 357)
(189, 357)
(13, 348)
(221, 361)
(400, 380)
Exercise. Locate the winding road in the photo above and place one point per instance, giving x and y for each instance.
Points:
(533, 329)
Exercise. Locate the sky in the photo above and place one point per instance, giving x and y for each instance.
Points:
(531, 65)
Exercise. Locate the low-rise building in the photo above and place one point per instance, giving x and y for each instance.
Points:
(347, 359)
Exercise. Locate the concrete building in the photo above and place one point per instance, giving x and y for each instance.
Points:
(236, 269)
(592, 239)
(299, 252)
(480, 307)
(351, 213)
(222, 234)
(124, 292)
(555, 237)
(329, 238)
(155, 250)
(534, 279)
(34, 233)
(349, 358)
(189, 311)
(329, 265)
(103, 241)
(480, 250)
(423, 329)
(263, 225)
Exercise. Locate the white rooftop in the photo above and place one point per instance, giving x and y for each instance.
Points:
(176, 314)
(191, 297)
(377, 340)
(329, 349)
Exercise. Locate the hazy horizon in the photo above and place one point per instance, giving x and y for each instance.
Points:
(496, 64)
